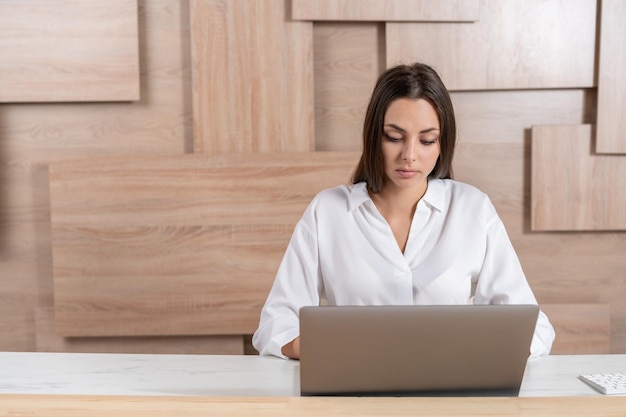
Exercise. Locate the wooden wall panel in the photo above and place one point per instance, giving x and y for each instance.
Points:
(514, 44)
(388, 10)
(580, 328)
(176, 245)
(492, 117)
(344, 83)
(611, 129)
(571, 188)
(348, 59)
(16, 324)
(564, 269)
(576, 271)
(68, 50)
(497, 175)
(252, 77)
(618, 320)
(49, 341)
(494, 154)
(32, 134)
(574, 267)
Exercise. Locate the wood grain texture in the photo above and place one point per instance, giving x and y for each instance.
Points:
(252, 70)
(159, 123)
(348, 59)
(497, 175)
(611, 128)
(487, 117)
(571, 188)
(575, 267)
(618, 319)
(35, 133)
(496, 117)
(176, 245)
(68, 50)
(17, 324)
(388, 10)
(48, 341)
(192, 406)
(563, 268)
(511, 46)
(580, 328)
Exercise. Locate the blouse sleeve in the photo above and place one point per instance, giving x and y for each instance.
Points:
(502, 281)
(297, 284)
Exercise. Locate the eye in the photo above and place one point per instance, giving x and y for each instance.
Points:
(392, 138)
(428, 142)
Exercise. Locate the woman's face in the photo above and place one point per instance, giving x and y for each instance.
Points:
(410, 143)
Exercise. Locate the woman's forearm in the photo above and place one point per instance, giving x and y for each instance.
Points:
(292, 349)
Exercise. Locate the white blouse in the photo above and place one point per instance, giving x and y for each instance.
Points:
(344, 251)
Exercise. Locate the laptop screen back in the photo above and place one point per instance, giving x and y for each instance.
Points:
(398, 350)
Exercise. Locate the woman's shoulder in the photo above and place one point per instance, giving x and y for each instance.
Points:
(465, 189)
(339, 200)
(458, 193)
(458, 188)
(333, 196)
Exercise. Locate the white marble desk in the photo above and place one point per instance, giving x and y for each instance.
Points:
(139, 374)
(213, 375)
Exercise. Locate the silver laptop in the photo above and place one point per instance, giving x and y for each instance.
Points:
(415, 350)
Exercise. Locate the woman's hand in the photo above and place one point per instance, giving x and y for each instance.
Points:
(292, 349)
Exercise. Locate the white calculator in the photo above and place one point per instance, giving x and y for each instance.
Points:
(607, 383)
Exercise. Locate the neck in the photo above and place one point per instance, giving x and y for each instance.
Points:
(395, 199)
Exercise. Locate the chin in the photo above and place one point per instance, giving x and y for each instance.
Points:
(411, 183)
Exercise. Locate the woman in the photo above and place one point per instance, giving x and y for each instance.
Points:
(404, 232)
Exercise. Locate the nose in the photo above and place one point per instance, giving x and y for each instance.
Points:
(408, 153)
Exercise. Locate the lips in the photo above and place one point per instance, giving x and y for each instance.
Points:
(406, 173)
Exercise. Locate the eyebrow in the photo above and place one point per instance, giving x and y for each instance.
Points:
(395, 126)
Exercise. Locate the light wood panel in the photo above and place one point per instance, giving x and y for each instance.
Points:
(497, 174)
(348, 59)
(574, 267)
(580, 328)
(563, 268)
(495, 117)
(159, 123)
(68, 50)
(611, 129)
(49, 341)
(578, 278)
(618, 320)
(35, 133)
(176, 245)
(197, 406)
(388, 10)
(252, 73)
(513, 45)
(571, 188)
(16, 325)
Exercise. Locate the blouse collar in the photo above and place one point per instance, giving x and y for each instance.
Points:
(435, 196)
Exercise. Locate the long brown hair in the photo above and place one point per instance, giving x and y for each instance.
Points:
(414, 81)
